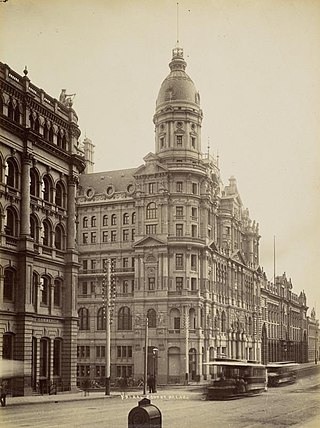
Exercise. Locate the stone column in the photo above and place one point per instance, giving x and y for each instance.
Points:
(71, 208)
(25, 195)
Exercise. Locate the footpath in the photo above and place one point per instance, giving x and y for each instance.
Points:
(194, 391)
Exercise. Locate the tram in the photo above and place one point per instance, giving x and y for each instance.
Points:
(235, 379)
(280, 373)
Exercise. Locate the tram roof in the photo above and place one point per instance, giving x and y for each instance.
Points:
(234, 364)
(282, 364)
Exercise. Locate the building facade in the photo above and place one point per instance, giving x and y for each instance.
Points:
(313, 337)
(184, 251)
(284, 321)
(39, 166)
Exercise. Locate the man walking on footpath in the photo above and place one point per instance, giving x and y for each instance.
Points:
(3, 392)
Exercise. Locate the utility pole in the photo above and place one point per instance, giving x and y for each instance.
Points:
(145, 359)
(107, 298)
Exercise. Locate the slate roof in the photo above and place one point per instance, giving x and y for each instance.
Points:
(101, 180)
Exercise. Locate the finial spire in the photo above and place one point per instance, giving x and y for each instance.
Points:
(178, 24)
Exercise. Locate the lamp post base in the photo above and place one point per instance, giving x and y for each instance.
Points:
(107, 391)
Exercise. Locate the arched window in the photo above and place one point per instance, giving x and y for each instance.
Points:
(59, 237)
(250, 326)
(133, 218)
(47, 189)
(223, 322)
(34, 183)
(47, 235)
(34, 228)
(125, 218)
(93, 221)
(37, 125)
(151, 210)
(83, 314)
(9, 284)
(85, 222)
(192, 319)
(12, 173)
(16, 114)
(124, 319)
(59, 139)
(57, 292)
(175, 319)
(113, 220)
(10, 110)
(51, 134)
(101, 320)
(45, 132)
(152, 318)
(34, 290)
(11, 226)
(60, 195)
(105, 220)
(45, 290)
(64, 142)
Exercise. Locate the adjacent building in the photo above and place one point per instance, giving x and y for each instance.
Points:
(284, 321)
(39, 166)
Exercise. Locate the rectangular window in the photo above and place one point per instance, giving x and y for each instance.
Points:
(176, 323)
(92, 287)
(179, 283)
(151, 283)
(179, 229)
(193, 262)
(93, 264)
(179, 140)
(179, 186)
(105, 236)
(179, 261)
(113, 235)
(193, 142)
(161, 142)
(93, 237)
(125, 287)
(151, 229)
(152, 187)
(194, 231)
(87, 351)
(129, 351)
(125, 262)
(133, 234)
(125, 235)
(84, 288)
(85, 264)
(179, 212)
(193, 284)
(195, 188)
(84, 238)
(194, 212)
(118, 351)
(124, 351)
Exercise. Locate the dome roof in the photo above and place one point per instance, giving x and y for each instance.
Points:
(178, 86)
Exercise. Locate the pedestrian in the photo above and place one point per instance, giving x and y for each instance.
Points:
(86, 386)
(151, 384)
(3, 392)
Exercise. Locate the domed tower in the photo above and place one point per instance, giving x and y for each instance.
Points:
(178, 114)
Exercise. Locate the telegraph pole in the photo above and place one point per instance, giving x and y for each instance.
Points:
(145, 360)
(107, 286)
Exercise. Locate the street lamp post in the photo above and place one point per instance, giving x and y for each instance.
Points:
(154, 353)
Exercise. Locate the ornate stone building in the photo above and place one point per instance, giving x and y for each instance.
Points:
(39, 166)
(284, 323)
(184, 249)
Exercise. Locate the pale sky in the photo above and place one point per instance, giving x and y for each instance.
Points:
(256, 64)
